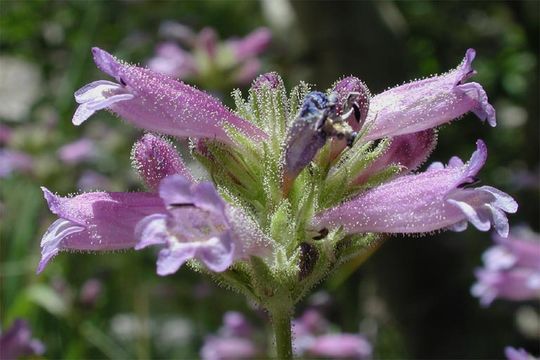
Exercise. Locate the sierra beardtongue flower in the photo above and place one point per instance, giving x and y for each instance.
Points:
(433, 200)
(428, 103)
(96, 221)
(511, 269)
(198, 225)
(155, 102)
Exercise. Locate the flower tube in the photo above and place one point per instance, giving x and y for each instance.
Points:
(433, 200)
(156, 102)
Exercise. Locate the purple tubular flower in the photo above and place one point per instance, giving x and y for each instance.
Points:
(409, 151)
(14, 161)
(198, 225)
(341, 346)
(156, 102)
(251, 45)
(17, 341)
(173, 61)
(522, 246)
(77, 151)
(236, 325)
(228, 348)
(428, 103)
(511, 269)
(517, 354)
(155, 158)
(97, 221)
(433, 200)
(518, 284)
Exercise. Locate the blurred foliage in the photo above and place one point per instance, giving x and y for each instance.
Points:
(412, 298)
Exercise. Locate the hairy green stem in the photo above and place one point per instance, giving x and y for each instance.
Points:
(281, 322)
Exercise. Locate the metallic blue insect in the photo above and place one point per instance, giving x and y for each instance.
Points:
(317, 120)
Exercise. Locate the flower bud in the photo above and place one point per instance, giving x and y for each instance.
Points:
(155, 158)
(271, 80)
(353, 95)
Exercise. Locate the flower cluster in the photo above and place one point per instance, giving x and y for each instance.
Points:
(301, 181)
(511, 269)
(315, 337)
(235, 60)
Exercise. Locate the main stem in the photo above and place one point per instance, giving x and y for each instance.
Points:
(281, 322)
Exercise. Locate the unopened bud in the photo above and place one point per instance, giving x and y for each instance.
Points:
(271, 80)
(409, 151)
(353, 99)
(155, 158)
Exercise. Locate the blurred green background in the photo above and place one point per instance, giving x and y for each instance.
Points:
(411, 298)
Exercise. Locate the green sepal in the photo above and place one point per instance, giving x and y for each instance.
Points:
(282, 223)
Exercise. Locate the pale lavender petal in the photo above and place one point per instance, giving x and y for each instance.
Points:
(409, 151)
(96, 221)
(162, 104)
(216, 253)
(170, 260)
(53, 240)
(96, 96)
(455, 162)
(95, 89)
(428, 103)
(498, 258)
(523, 247)
(517, 284)
(480, 222)
(517, 354)
(155, 158)
(251, 45)
(341, 346)
(437, 165)
(152, 230)
(502, 199)
(177, 189)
